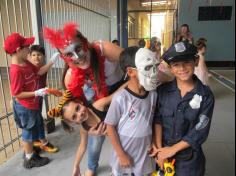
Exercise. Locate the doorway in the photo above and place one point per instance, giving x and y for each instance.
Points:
(152, 18)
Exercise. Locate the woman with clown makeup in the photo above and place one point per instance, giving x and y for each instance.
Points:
(91, 69)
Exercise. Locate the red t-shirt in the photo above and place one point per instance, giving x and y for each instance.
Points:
(25, 79)
(42, 81)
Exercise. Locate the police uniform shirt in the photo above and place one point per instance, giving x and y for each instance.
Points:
(185, 118)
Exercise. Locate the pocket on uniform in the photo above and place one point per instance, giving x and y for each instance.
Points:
(166, 112)
(167, 123)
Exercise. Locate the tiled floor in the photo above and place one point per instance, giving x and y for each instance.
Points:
(219, 148)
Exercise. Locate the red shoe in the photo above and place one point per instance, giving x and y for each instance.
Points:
(49, 148)
(37, 143)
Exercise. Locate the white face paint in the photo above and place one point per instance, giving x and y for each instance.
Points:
(147, 66)
(75, 51)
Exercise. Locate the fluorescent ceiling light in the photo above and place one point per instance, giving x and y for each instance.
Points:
(154, 3)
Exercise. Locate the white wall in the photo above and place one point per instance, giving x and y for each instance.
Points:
(113, 19)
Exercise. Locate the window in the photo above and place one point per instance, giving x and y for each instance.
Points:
(212, 13)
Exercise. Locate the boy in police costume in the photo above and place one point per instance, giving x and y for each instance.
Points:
(184, 111)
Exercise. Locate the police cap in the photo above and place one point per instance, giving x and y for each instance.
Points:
(179, 52)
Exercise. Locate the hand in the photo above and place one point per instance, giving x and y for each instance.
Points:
(152, 151)
(165, 153)
(54, 57)
(76, 171)
(98, 130)
(125, 161)
(161, 162)
(41, 92)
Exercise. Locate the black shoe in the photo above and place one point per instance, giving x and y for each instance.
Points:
(35, 161)
(36, 150)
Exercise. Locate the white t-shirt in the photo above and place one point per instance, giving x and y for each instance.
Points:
(132, 115)
(113, 72)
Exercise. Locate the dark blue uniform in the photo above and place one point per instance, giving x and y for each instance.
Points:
(187, 119)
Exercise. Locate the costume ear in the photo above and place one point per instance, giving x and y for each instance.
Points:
(56, 112)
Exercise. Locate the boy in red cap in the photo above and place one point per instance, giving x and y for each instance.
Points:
(24, 78)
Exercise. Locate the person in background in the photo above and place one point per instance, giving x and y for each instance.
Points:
(155, 46)
(185, 34)
(142, 43)
(116, 42)
(37, 58)
(201, 69)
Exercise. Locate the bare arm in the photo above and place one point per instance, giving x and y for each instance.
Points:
(167, 152)
(111, 51)
(102, 103)
(24, 95)
(158, 135)
(203, 63)
(124, 159)
(165, 77)
(80, 151)
(115, 141)
(44, 69)
(67, 77)
(177, 39)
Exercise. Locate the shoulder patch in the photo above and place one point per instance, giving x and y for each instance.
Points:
(203, 121)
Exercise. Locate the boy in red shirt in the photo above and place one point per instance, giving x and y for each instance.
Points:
(37, 58)
(24, 79)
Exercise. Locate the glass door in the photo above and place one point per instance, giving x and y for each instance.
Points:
(151, 18)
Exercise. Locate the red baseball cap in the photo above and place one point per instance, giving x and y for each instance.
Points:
(14, 41)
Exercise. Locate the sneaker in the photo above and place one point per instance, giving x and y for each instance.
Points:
(35, 161)
(36, 150)
(37, 143)
(49, 148)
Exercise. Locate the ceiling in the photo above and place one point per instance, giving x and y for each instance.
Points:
(137, 5)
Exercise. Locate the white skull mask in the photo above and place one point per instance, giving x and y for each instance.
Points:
(147, 66)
